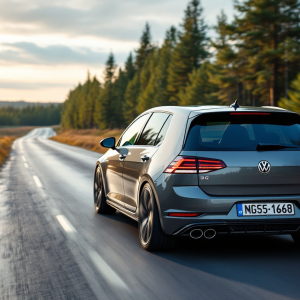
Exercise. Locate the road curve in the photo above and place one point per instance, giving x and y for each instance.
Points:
(53, 245)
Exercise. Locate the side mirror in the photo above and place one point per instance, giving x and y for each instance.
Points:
(108, 143)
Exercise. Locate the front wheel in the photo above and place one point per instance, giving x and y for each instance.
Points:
(151, 236)
(101, 207)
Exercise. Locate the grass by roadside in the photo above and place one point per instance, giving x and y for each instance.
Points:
(15, 132)
(5, 145)
(7, 136)
(86, 138)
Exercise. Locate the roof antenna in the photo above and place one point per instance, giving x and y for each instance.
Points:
(235, 105)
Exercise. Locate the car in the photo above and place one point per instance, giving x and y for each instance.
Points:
(202, 171)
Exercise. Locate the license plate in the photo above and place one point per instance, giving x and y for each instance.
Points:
(264, 209)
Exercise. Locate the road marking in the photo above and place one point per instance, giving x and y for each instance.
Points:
(65, 224)
(26, 165)
(37, 181)
(24, 159)
(106, 271)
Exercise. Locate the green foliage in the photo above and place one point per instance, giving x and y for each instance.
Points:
(155, 92)
(106, 106)
(200, 90)
(145, 48)
(252, 58)
(131, 95)
(293, 103)
(30, 115)
(189, 52)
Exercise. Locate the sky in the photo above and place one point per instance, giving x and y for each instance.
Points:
(47, 46)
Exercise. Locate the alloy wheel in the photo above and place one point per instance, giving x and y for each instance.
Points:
(146, 216)
(97, 189)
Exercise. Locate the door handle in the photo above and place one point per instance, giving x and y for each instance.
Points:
(145, 158)
(122, 156)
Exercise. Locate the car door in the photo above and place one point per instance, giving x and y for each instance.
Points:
(116, 159)
(114, 176)
(139, 156)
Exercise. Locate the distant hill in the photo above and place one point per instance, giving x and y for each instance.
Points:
(21, 104)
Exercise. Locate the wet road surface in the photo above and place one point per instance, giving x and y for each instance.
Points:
(53, 245)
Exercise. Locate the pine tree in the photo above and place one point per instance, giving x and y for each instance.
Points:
(226, 72)
(105, 108)
(93, 97)
(145, 48)
(200, 91)
(131, 95)
(190, 50)
(293, 102)
(129, 67)
(263, 28)
(120, 86)
(155, 94)
(83, 103)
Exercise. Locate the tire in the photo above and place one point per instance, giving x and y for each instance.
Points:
(101, 207)
(151, 236)
(296, 237)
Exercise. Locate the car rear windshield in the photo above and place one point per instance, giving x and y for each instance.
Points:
(243, 131)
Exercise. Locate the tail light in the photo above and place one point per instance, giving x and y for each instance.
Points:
(208, 165)
(193, 165)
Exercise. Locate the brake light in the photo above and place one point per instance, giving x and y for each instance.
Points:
(192, 165)
(208, 165)
(184, 214)
(183, 165)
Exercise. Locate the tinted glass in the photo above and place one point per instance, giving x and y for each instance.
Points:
(152, 129)
(132, 131)
(225, 131)
(163, 132)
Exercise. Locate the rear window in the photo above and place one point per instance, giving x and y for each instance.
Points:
(243, 131)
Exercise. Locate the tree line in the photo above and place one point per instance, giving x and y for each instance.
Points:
(38, 115)
(255, 58)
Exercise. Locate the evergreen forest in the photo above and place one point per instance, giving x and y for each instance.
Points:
(255, 58)
(38, 115)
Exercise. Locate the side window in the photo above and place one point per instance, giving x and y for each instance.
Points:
(163, 132)
(132, 131)
(153, 127)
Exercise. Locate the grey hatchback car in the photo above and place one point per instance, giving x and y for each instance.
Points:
(202, 171)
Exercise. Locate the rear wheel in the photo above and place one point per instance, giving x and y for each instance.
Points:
(151, 236)
(101, 207)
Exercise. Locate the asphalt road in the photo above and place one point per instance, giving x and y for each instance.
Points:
(53, 245)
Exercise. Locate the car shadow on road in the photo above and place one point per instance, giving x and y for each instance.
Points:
(268, 262)
(119, 217)
(271, 263)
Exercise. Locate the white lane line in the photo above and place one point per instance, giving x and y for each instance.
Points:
(26, 165)
(37, 181)
(24, 159)
(65, 224)
(106, 271)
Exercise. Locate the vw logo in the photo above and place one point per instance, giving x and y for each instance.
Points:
(264, 167)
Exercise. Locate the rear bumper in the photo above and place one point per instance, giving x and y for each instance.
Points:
(217, 211)
(246, 227)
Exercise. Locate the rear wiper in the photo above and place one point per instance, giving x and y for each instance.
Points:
(262, 146)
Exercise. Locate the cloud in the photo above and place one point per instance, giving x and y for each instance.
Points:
(114, 19)
(30, 53)
(31, 86)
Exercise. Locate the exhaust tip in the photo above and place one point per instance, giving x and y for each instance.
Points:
(210, 233)
(196, 234)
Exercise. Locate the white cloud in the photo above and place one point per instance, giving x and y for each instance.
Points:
(40, 36)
